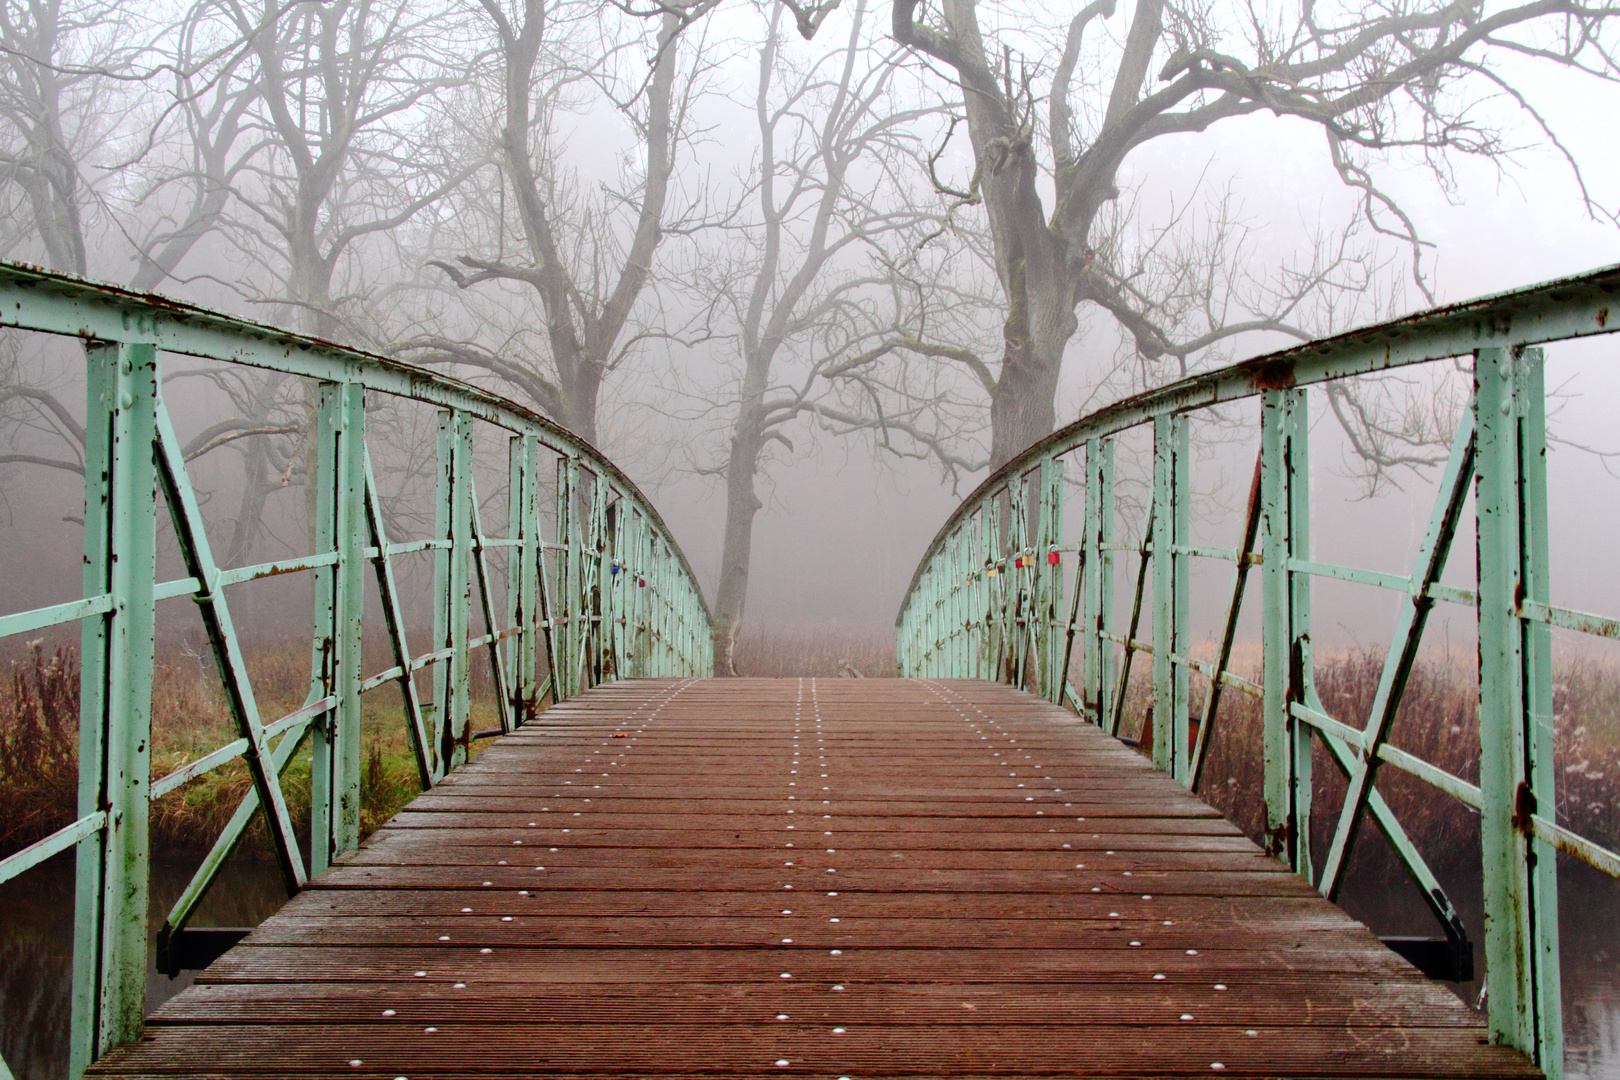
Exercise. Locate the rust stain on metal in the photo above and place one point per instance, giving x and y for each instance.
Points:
(1273, 375)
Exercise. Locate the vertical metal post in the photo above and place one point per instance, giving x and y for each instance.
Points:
(1049, 595)
(115, 719)
(522, 574)
(1301, 674)
(340, 529)
(1515, 713)
(1285, 623)
(452, 585)
(1014, 589)
(1530, 392)
(1097, 677)
(1170, 594)
(566, 609)
(593, 586)
(956, 609)
(660, 617)
(936, 635)
(634, 546)
(644, 552)
(978, 598)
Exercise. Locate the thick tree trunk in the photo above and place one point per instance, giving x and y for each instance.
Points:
(742, 504)
(256, 487)
(579, 400)
(1039, 324)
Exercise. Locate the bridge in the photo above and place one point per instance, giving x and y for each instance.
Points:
(962, 872)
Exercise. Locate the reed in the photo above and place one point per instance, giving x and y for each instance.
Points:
(39, 751)
(814, 651)
(39, 726)
(39, 709)
(1438, 721)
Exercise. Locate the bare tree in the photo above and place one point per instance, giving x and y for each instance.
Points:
(826, 215)
(59, 59)
(1387, 76)
(347, 145)
(194, 150)
(579, 257)
(61, 64)
(298, 131)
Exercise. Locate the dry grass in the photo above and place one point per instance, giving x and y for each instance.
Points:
(1437, 721)
(39, 753)
(39, 704)
(39, 722)
(820, 651)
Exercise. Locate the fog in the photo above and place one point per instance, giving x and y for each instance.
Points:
(842, 522)
(808, 289)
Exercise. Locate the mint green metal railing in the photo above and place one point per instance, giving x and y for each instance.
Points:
(987, 602)
(609, 595)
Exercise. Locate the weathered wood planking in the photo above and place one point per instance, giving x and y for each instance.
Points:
(830, 878)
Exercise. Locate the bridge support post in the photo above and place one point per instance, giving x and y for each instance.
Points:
(1097, 563)
(452, 585)
(1017, 588)
(995, 594)
(596, 630)
(961, 653)
(1170, 594)
(522, 576)
(115, 712)
(1285, 622)
(935, 638)
(1515, 706)
(340, 531)
(979, 548)
(567, 610)
(1049, 635)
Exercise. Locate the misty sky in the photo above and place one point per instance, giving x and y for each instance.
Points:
(840, 538)
(841, 531)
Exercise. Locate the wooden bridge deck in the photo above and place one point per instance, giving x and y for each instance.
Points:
(829, 878)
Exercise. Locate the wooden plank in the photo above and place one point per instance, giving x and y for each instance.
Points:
(973, 884)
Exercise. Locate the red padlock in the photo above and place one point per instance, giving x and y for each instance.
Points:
(1052, 558)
